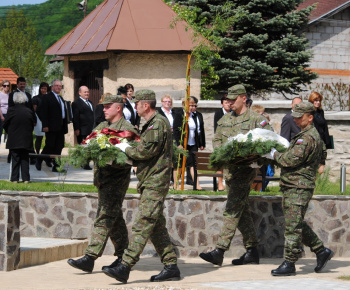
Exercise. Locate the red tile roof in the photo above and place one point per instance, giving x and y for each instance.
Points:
(132, 25)
(324, 7)
(8, 74)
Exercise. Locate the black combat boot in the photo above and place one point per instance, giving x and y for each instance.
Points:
(85, 263)
(115, 263)
(120, 272)
(249, 257)
(322, 258)
(285, 269)
(169, 273)
(215, 257)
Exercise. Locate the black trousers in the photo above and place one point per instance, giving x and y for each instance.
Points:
(20, 160)
(54, 143)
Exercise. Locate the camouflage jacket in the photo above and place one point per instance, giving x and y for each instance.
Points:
(232, 124)
(153, 155)
(300, 162)
(112, 172)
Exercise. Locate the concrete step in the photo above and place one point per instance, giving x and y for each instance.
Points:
(38, 251)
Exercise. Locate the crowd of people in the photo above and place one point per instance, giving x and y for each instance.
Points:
(153, 158)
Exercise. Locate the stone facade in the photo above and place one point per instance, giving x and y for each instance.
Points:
(193, 222)
(9, 234)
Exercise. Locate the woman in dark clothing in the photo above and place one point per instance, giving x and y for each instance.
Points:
(19, 125)
(320, 122)
(196, 133)
(44, 88)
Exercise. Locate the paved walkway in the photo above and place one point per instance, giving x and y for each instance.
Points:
(196, 274)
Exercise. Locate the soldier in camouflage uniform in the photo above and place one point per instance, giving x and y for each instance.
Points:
(153, 160)
(238, 182)
(299, 166)
(112, 182)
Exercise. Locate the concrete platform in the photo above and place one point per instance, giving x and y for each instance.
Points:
(38, 251)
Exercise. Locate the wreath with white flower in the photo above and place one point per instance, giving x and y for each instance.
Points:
(244, 149)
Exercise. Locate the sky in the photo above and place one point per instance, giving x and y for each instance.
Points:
(20, 2)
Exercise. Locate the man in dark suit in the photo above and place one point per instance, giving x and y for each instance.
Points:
(21, 86)
(52, 114)
(83, 116)
(288, 127)
(226, 108)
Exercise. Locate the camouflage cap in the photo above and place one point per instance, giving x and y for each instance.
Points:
(112, 99)
(302, 108)
(235, 91)
(143, 95)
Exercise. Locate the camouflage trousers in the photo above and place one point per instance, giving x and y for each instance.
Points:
(109, 221)
(237, 211)
(150, 224)
(297, 231)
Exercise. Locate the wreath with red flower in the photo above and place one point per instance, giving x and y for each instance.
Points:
(99, 148)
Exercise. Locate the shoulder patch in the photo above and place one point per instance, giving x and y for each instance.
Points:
(300, 141)
(263, 123)
(150, 127)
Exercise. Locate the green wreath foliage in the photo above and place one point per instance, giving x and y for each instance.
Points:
(81, 155)
(235, 153)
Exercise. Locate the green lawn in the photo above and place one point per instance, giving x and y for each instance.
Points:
(324, 188)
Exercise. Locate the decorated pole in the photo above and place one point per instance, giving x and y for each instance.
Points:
(188, 84)
(184, 137)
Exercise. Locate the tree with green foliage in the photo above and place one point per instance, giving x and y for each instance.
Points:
(264, 48)
(19, 47)
(54, 18)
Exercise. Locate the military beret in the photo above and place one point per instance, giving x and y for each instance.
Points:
(144, 95)
(112, 99)
(302, 108)
(235, 91)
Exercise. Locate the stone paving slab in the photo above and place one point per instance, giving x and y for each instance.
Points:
(281, 284)
(196, 274)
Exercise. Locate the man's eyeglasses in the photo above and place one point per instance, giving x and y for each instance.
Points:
(166, 101)
(193, 106)
(5, 86)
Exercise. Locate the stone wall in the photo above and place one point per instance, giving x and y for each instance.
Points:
(193, 222)
(9, 234)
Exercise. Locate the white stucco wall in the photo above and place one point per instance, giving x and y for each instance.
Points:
(157, 71)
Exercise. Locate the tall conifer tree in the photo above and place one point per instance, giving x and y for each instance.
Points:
(265, 48)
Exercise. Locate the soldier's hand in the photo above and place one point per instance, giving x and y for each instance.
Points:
(270, 155)
(122, 146)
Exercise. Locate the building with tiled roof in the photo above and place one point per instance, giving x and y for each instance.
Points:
(8, 74)
(127, 41)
